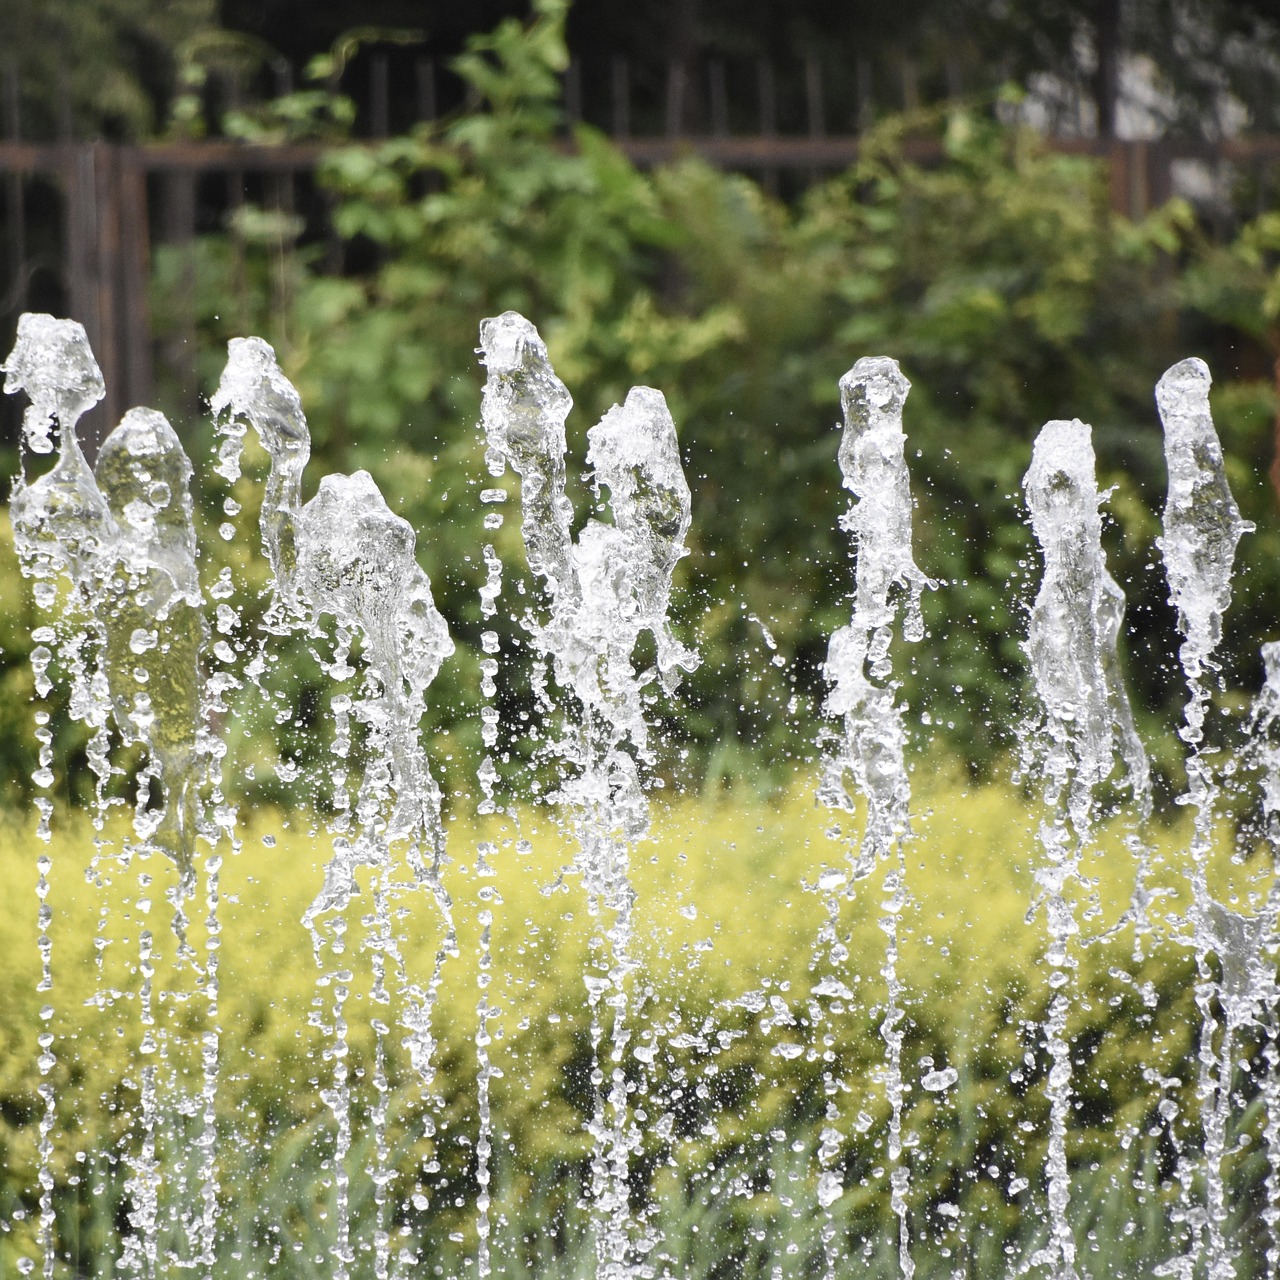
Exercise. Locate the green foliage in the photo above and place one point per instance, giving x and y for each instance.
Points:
(999, 278)
(106, 66)
(729, 1075)
(1239, 283)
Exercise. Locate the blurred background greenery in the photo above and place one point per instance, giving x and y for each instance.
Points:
(991, 264)
(732, 1090)
(994, 264)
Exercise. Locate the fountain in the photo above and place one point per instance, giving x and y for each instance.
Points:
(807, 1152)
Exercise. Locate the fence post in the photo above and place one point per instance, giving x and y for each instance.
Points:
(620, 91)
(177, 227)
(108, 262)
(133, 278)
(16, 285)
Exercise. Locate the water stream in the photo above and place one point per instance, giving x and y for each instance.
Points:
(162, 664)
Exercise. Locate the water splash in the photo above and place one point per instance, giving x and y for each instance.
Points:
(114, 564)
(1084, 722)
(871, 459)
(871, 750)
(150, 604)
(253, 387)
(60, 521)
(487, 775)
(60, 525)
(355, 561)
(346, 555)
(1258, 966)
(1202, 527)
(602, 592)
(152, 611)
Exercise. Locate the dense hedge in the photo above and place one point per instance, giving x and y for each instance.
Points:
(999, 277)
(726, 908)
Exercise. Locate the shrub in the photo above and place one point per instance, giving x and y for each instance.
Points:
(726, 911)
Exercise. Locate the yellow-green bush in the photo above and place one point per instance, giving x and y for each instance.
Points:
(725, 908)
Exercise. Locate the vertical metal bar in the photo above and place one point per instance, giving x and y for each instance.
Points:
(573, 91)
(66, 115)
(768, 98)
(768, 117)
(133, 314)
(620, 86)
(718, 93)
(15, 194)
(863, 86)
(424, 74)
(910, 85)
(675, 99)
(813, 97)
(1118, 176)
(379, 95)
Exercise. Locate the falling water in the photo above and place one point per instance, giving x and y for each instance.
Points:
(132, 632)
(60, 526)
(602, 591)
(346, 555)
(1264, 753)
(487, 775)
(149, 657)
(1084, 710)
(1202, 526)
(871, 751)
(53, 364)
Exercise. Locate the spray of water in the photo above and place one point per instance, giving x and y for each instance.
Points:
(1264, 754)
(870, 753)
(60, 523)
(151, 657)
(1202, 526)
(129, 634)
(345, 555)
(1084, 721)
(601, 591)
